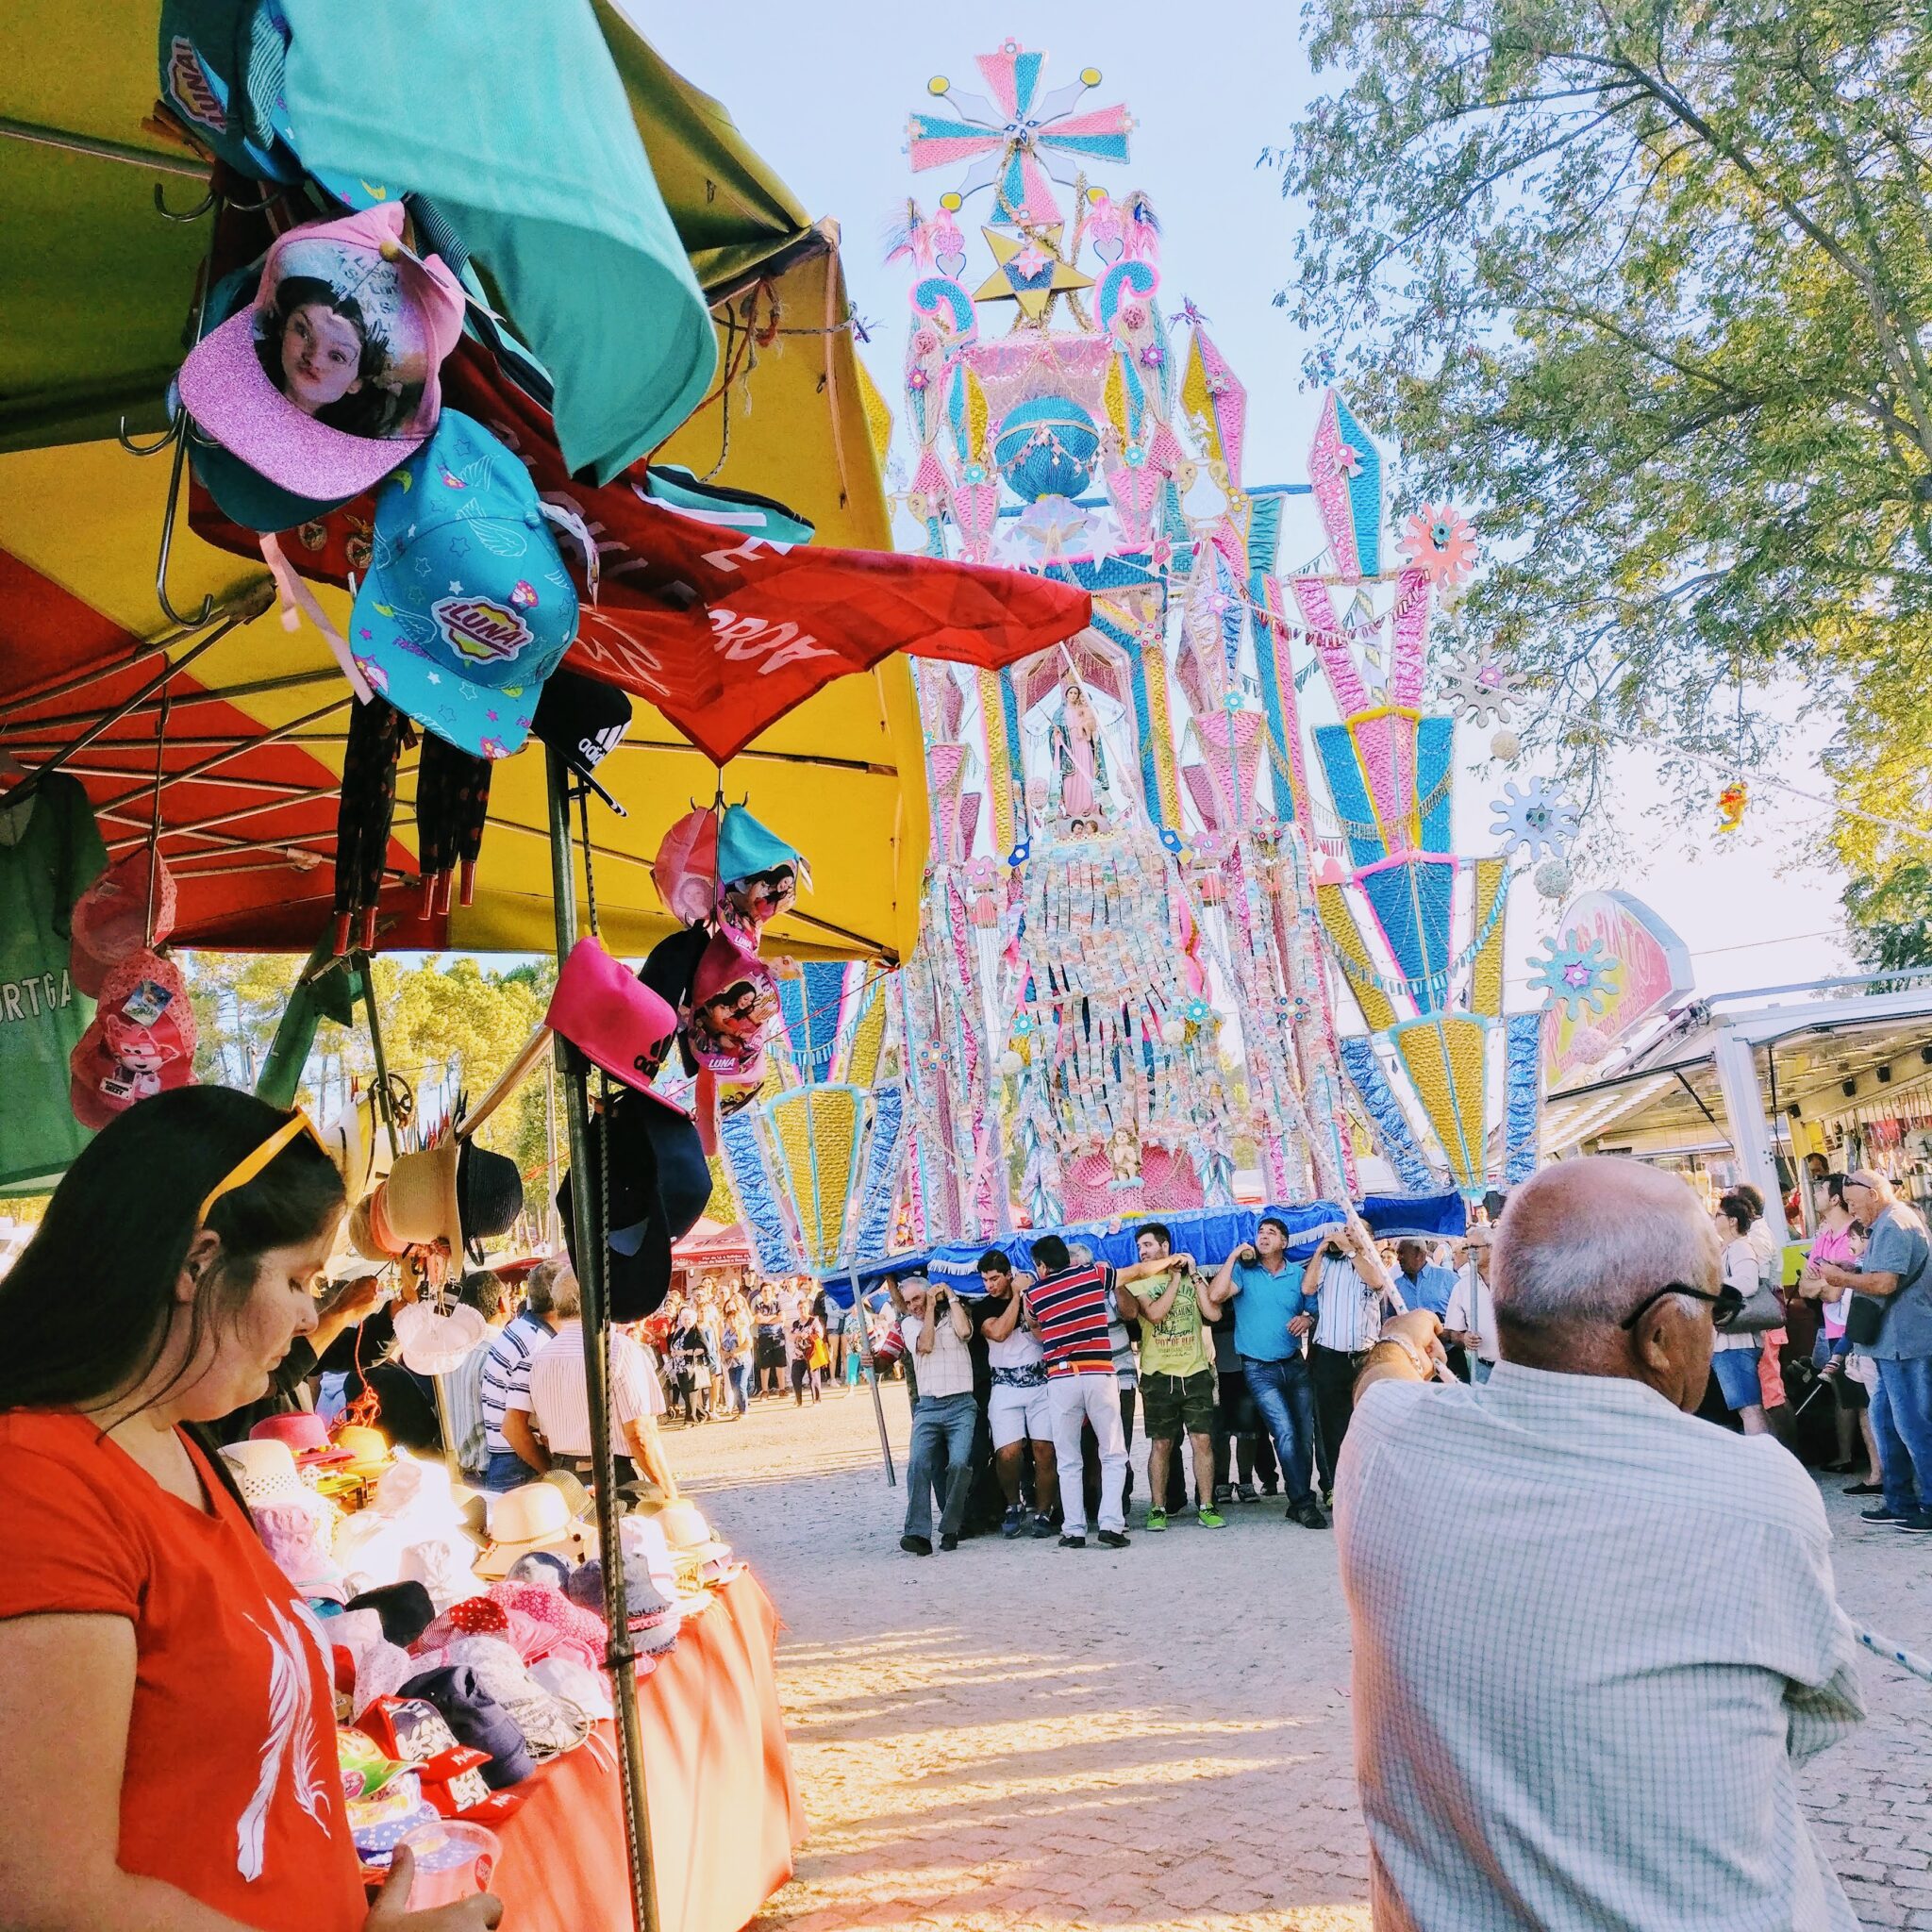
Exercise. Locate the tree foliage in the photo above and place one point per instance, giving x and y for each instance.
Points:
(438, 1018)
(1649, 286)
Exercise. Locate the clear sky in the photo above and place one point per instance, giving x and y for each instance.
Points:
(823, 93)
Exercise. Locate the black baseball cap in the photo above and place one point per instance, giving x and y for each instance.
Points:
(580, 720)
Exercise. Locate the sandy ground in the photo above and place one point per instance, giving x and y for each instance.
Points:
(1017, 1736)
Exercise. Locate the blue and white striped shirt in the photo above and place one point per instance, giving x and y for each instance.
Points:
(507, 1368)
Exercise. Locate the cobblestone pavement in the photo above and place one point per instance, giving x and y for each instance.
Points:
(1016, 1736)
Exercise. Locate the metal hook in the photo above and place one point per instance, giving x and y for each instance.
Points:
(168, 610)
(147, 449)
(194, 214)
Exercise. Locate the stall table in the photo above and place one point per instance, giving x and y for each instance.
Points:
(724, 1806)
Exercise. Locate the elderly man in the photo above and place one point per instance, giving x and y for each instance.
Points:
(938, 1333)
(1470, 1320)
(1423, 1284)
(1594, 1636)
(1895, 1272)
(552, 1404)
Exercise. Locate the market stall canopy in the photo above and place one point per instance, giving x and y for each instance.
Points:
(90, 331)
(1808, 1045)
(715, 1244)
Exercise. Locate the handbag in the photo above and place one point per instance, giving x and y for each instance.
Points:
(1762, 1310)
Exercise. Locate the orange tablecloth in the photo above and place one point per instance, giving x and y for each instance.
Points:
(725, 1809)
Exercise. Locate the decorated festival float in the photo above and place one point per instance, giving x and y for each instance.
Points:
(1172, 909)
(430, 660)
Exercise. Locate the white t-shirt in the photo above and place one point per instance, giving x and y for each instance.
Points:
(1019, 1350)
(1471, 1307)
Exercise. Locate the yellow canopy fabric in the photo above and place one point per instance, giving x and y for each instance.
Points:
(90, 321)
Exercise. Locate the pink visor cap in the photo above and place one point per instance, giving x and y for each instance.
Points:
(611, 1017)
(330, 379)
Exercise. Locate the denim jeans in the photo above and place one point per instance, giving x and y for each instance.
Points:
(1285, 1398)
(507, 1470)
(1901, 1421)
(942, 1438)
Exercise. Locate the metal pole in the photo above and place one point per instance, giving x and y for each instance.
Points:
(872, 1376)
(621, 1656)
(367, 968)
(552, 1230)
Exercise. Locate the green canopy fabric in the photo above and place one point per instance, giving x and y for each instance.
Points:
(459, 100)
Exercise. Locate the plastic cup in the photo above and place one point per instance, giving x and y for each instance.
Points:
(454, 1861)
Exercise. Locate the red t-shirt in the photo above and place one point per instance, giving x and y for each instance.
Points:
(231, 1792)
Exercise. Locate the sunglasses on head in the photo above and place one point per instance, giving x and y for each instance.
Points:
(254, 1161)
(1724, 1304)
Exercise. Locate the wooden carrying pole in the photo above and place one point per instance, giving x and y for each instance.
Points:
(588, 1218)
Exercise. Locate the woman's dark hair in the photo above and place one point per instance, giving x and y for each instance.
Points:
(372, 409)
(1834, 1190)
(85, 1309)
(1741, 1211)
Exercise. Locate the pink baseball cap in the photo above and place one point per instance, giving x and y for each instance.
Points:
(306, 1434)
(329, 378)
(612, 1016)
(733, 1002)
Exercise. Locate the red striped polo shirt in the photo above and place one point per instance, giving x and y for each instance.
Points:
(1070, 1309)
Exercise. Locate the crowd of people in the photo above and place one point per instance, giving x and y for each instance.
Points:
(1027, 1386)
(1028, 1390)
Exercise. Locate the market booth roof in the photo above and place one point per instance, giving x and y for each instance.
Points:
(90, 330)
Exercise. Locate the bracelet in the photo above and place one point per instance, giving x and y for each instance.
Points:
(1418, 1361)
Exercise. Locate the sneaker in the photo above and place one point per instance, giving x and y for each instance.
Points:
(1307, 1514)
(949, 1542)
(1224, 1494)
(1919, 1523)
(916, 1545)
(1073, 1542)
(1864, 1489)
(1157, 1518)
(1042, 1525)
(1881, 1514)
(1211, 1519)
(1242, 1493)
(1113, 1539)
(1014, 1521)
(1270, 1490)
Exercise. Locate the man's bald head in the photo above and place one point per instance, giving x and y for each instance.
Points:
(1582, 1243)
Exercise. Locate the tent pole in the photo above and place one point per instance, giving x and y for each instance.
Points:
(620, 1658)
(872, 1376)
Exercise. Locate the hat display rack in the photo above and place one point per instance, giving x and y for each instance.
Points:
(592, 1216)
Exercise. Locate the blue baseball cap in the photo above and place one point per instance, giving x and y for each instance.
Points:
(467, 608)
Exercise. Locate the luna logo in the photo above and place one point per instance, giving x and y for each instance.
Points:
(193, 92)
(483, 632)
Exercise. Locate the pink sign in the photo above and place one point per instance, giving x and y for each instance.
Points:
(1652, 972)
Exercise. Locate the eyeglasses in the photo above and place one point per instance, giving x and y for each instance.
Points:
(252, 1163)
(1726, 1302)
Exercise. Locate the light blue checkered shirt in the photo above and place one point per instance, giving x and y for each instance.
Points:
(1593, 1639)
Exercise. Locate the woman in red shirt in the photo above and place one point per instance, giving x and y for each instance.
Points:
(165, 1695)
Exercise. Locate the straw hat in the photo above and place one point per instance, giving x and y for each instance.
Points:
(265, 1472)
(535, 1517)
(367, 1449)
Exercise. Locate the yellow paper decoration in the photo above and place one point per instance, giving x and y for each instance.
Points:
(878, 416)
(999, 758)
(1485, 971)
(1198, 401)
(976, 419)
(1114, 399)
(817, 1132)
(1332, 905)
(868, 1041)
(1446, 1059)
